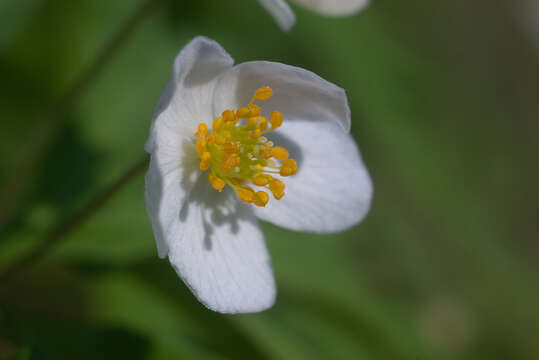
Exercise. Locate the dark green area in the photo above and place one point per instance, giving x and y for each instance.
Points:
(445, 112)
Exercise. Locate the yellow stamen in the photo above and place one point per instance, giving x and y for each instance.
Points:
(254, 110)
(230, 163)
(217, 183)
(263, 93)
(276, 119)
(201, 147)
(280, 153)
(263, 123)
(217, 124)
(245, 194)
(231, 148)
(261, 198)
(260, 180)
(243, 112)
(277, 188)
(202, 131)
(228, 115)
(289, 167)
(236, 153)
(206, 156)
(205, 161)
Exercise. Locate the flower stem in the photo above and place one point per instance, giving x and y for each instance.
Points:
(27, 162)
(59, 233)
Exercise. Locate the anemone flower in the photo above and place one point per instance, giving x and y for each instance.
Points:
(285, 18)
(223, 140)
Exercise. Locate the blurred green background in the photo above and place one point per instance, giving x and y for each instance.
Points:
(444, 99)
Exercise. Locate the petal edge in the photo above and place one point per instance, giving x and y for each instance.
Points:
(281, 12)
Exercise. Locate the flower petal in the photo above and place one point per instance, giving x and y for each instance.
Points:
(334, 7)
(281, 12)
(172, 173)
(185, 102)
(332, 189)
(220, 253)
(297, 93)
(188, 95)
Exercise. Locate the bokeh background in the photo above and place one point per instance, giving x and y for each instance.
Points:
(444, 98)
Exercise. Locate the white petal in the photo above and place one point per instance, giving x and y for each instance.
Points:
(188, 95)
(334, 7)
(220, 253)
(185, 102)
(332, 190)
(172, 173)
(299, 94)
(281, 12)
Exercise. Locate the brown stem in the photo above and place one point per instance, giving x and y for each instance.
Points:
(59, 233)
(27, 162)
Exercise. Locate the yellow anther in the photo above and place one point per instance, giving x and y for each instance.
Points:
(205, 161)
(231, 148)
(289, 167)
(263, 123)
(229, 163)
(276, 119)
(200, 147)
(280, 153)
(260, 180)
(285, 171)
(257, 121)
(217, 124)
(263, 93)
(228, 125)
(261, 198)
(291, 163)
(216, 182)
(254, 110)
(277, 188)
(245, 193)
(243, 112)
(256, 133)
(228, 115)
(216, 139)
(202, 130)
(268, 153)
(252, 121)
(206, 156)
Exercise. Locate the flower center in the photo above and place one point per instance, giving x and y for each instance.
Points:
(235, 152)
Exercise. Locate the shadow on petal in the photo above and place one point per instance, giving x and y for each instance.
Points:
(217, 209)
(279, 138)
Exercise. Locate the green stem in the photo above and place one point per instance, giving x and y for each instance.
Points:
(60, 232)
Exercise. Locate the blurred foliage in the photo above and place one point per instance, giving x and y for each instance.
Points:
(444, 104)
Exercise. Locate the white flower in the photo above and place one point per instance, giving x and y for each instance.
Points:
(197, 147)
(285, 18)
